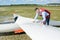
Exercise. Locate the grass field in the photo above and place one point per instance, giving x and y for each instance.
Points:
(27, 11)
(13, 36)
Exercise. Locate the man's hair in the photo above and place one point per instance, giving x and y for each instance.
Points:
(36, 9)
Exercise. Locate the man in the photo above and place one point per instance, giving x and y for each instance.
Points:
(44, 13)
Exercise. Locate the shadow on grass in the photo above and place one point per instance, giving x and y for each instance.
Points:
(56, 26)
(10, 33)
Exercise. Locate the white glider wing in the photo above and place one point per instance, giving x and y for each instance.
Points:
(8, 27)
(38, 31)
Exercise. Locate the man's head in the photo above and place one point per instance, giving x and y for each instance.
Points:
(36, 9)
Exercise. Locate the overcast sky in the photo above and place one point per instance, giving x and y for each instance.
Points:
(8, 2)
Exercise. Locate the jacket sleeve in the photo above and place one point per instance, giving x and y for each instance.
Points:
(44, 16)
(36, 16)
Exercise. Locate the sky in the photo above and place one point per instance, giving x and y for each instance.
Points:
(8, 2)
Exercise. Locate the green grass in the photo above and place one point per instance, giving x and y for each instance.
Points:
(27, 11)
(12, 36)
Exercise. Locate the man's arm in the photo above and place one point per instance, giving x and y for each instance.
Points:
(36, 16)
(44, 17)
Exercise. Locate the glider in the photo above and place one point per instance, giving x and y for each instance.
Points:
(38, 31)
